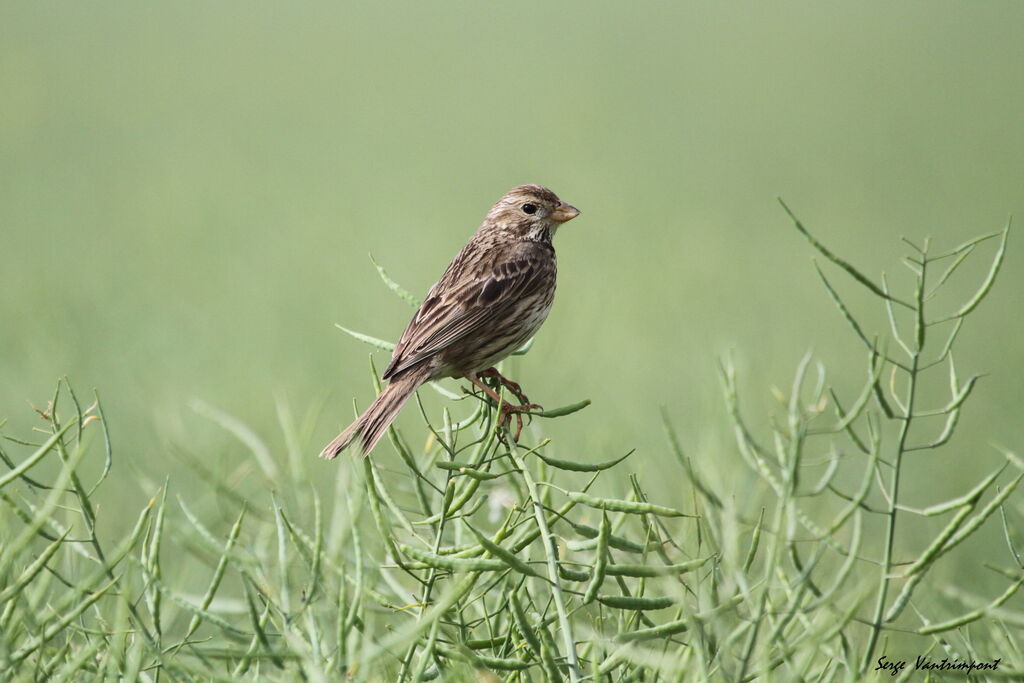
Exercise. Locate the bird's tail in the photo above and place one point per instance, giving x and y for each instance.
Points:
(372, 424)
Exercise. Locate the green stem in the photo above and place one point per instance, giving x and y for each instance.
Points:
(552, 562)
(894, 487)
(785, 507)
(427, 590)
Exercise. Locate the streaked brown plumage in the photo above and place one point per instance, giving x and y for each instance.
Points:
(493, 297)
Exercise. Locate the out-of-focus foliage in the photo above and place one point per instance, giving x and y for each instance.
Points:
(188, 194)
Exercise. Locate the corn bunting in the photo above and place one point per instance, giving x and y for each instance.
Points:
(491, 300)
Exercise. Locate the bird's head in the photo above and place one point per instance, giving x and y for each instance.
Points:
(529, 212)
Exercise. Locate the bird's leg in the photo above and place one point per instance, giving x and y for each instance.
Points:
(505, 409)
(475, 379)
(514, 387)
(525, 405)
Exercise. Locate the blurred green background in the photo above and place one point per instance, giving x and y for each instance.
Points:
(189, 194)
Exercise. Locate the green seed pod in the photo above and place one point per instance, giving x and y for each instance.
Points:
(468, 470)
(453, 465)
(564, 410)
(484, 643)
(755, 540)
(617, 542)
(503, 554)
(523, 624)
(647, 571)
(449, 496)
(457, 564)
(483, 476)
(628, 506)
(497, 663)
(668, 629)
(571, 466)
(635, 603)
(548, 656)
(572, 574)
(464, 496)
(600, 559)
(458, 549)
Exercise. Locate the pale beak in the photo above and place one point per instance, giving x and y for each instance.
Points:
(564, 212)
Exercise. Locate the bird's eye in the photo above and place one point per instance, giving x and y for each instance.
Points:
(530, 208)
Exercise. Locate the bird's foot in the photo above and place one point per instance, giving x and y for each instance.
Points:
(506, 410)
(509, 411)
(513, 387)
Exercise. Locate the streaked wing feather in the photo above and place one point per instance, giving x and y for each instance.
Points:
(452, 313)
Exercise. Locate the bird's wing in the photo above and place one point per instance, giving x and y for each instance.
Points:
(466, 301)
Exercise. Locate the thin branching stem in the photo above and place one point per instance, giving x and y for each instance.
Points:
(892, 496)
(548, 542)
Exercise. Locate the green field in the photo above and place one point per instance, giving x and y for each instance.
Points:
(190, 195)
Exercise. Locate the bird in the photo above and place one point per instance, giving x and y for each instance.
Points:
(492, 299)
